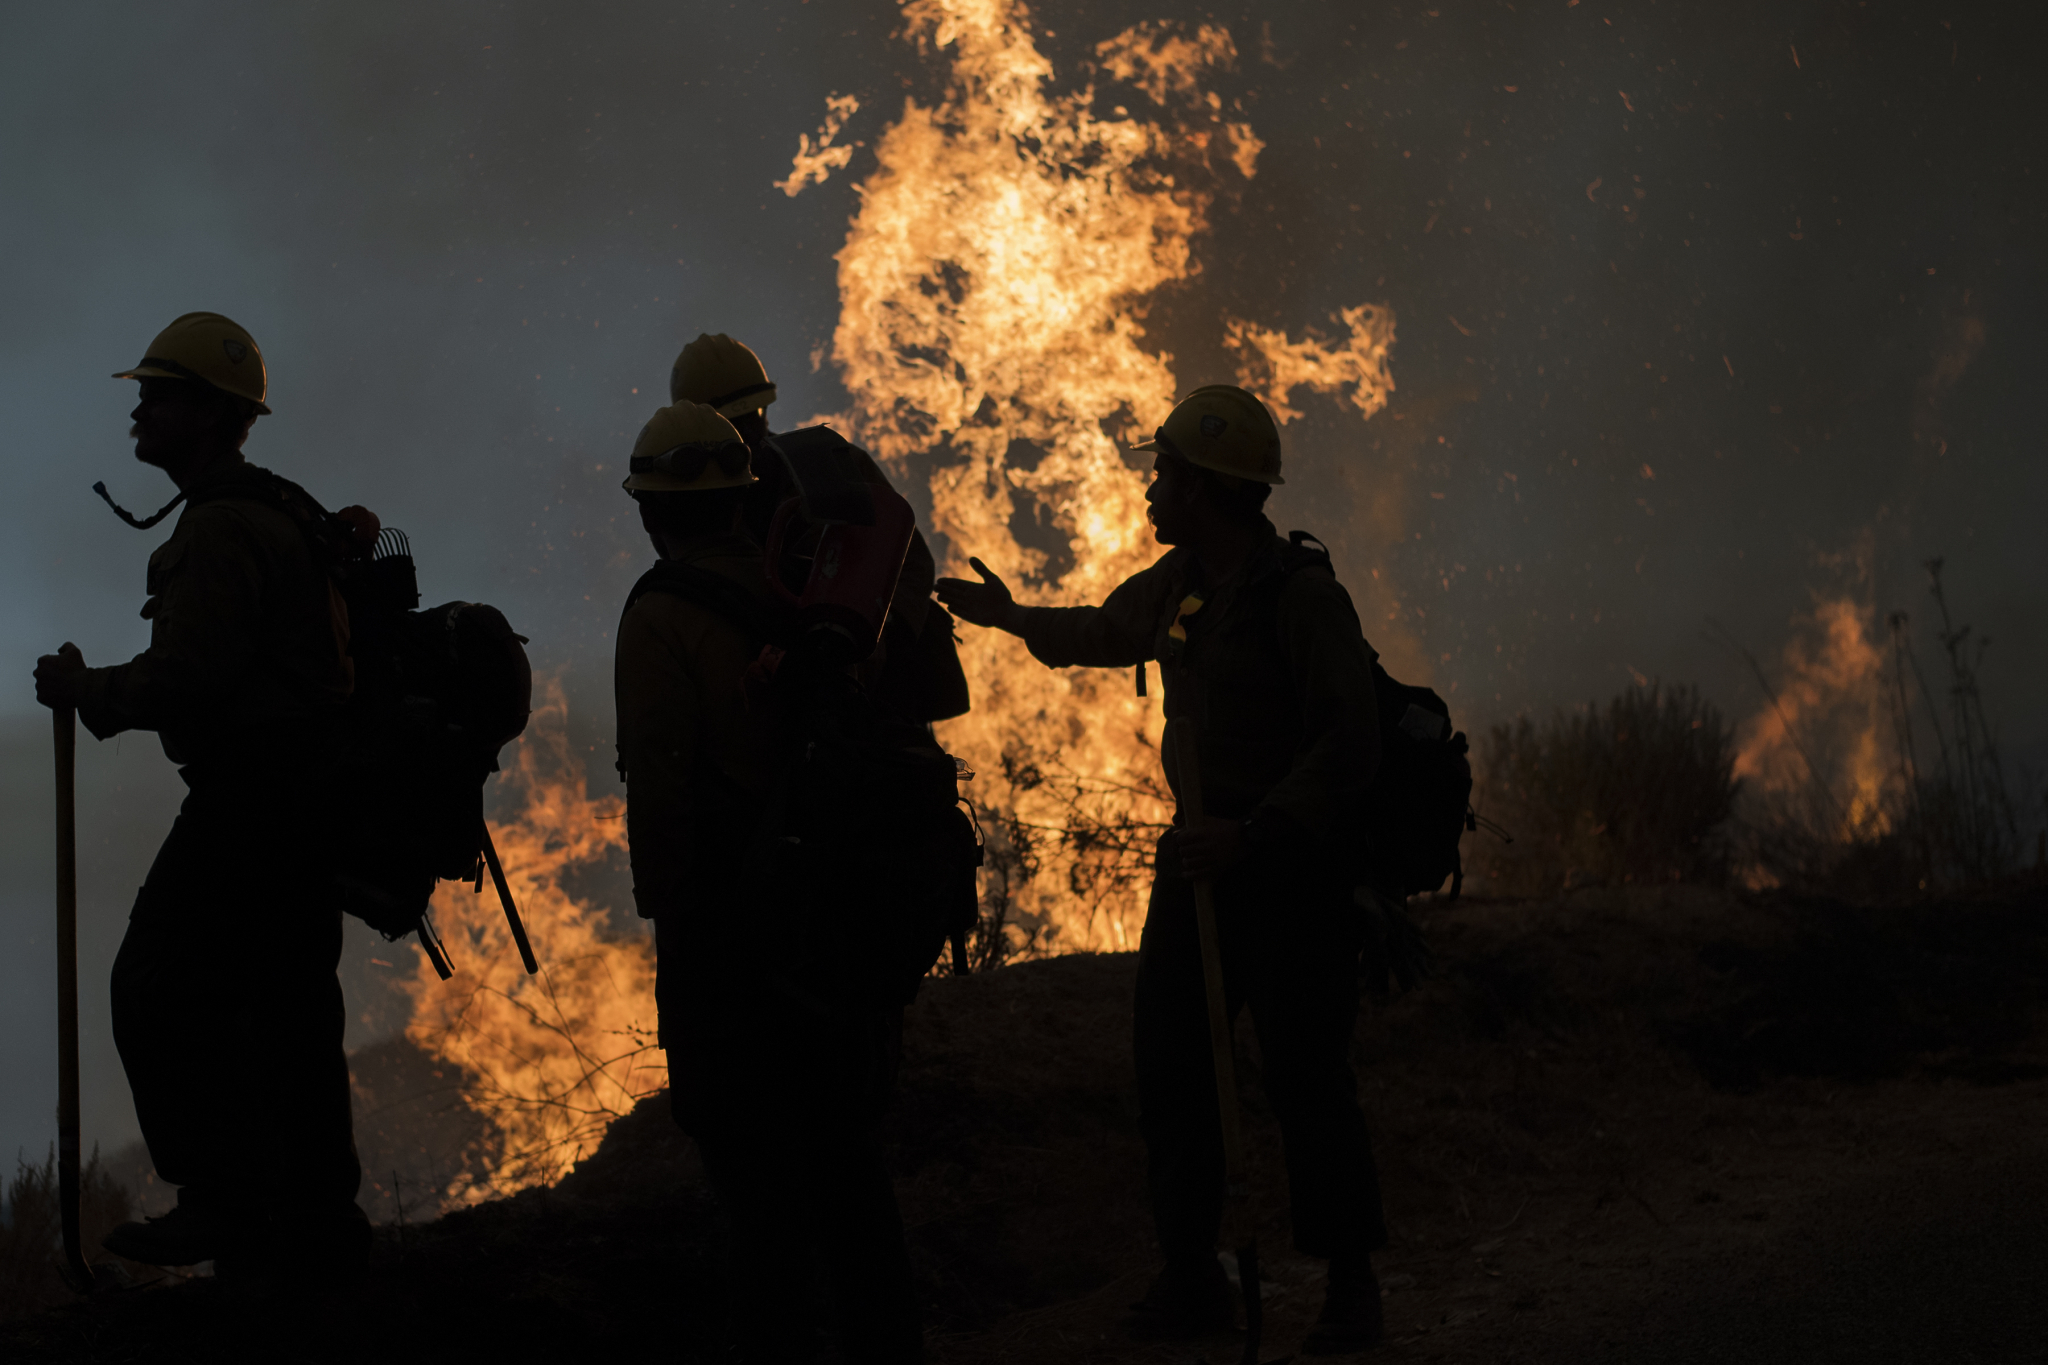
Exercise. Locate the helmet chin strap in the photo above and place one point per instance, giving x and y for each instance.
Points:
(125, 515)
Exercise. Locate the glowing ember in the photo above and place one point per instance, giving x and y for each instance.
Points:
(551, 1059)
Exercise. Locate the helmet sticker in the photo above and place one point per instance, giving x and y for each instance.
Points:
(237, 352)
(1212, 426)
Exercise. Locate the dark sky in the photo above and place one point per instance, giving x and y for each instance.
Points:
(1690, 296)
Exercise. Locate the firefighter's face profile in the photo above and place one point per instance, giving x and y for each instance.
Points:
(171, 418)
(1173, 490)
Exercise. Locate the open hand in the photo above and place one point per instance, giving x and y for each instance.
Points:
(60, 677)
(1211, 846)
(987, 603)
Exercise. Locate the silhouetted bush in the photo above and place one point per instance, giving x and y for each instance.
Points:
(1639, 790)
(1926, 839)
(32, 1230)
(1931, 822)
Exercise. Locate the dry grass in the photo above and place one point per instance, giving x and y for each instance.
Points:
(31, 1231)
(1639, 791)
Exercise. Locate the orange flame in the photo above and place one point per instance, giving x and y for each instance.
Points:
(992, 288)
(550, 1059)
(1820, 743)
(992, 291)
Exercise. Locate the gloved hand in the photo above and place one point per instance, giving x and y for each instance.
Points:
(987, 603)
(60, 677)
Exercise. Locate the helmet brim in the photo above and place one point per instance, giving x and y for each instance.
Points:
(664, 483)
(1155, 444)
(756, 401)
(155, 372)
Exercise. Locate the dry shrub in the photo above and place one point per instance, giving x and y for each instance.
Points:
(1896, 822)
(1101, 834)
(32, 1230)
(1932, 837)
(1639, 790)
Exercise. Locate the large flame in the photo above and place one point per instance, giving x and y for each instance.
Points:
(992, 292)
(550, 1059)
(992, 296)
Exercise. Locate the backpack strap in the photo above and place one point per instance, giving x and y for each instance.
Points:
(1303, 556)
(327, 538)
(326, 534)
(716, 594)
(1302, 551)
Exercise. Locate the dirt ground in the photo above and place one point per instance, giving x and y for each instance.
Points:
(1641, 1126)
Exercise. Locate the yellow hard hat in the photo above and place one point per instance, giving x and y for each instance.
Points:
(723, 374)
(1221, 427)
(687, 448)
(210, 349)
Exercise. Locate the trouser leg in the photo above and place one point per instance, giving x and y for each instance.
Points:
(1177, 1107)
(803, 1197)
(768, 1271)
(1305, 1008)
(229, 1018)
(783, 1104)
(1287, 948)
(167, 1034)
(860, 1231)
(306, 1149)
(860, 1236)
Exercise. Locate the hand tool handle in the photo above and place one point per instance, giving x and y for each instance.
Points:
(66, 728)
(1187, 752)
(511, 910)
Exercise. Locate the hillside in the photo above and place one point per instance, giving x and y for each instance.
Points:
(1628, 1126)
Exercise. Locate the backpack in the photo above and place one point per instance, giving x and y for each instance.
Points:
(436, 694)
(864, 846)
(1419, 804)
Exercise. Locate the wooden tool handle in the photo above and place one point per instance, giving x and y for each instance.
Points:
(1187, 752)
(66, 733)
(511, 911)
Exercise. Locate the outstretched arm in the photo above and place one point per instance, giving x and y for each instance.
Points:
(1116, 634)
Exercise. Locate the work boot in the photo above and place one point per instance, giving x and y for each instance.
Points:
(198, 1229)
(1189, 1299)
(335, 1241)
(332, 1243)
(1353, 1317)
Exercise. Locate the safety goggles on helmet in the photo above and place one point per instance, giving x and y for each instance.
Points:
(693, 466)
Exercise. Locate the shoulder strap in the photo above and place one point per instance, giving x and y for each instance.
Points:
(717, 594)
(1302, 551)
(258, 484)
(325, 533)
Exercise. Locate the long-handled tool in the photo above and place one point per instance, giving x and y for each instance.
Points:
(511, 911)
(1187, 751)
(75, 1267)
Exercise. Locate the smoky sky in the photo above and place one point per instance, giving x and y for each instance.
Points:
(1690, 299)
